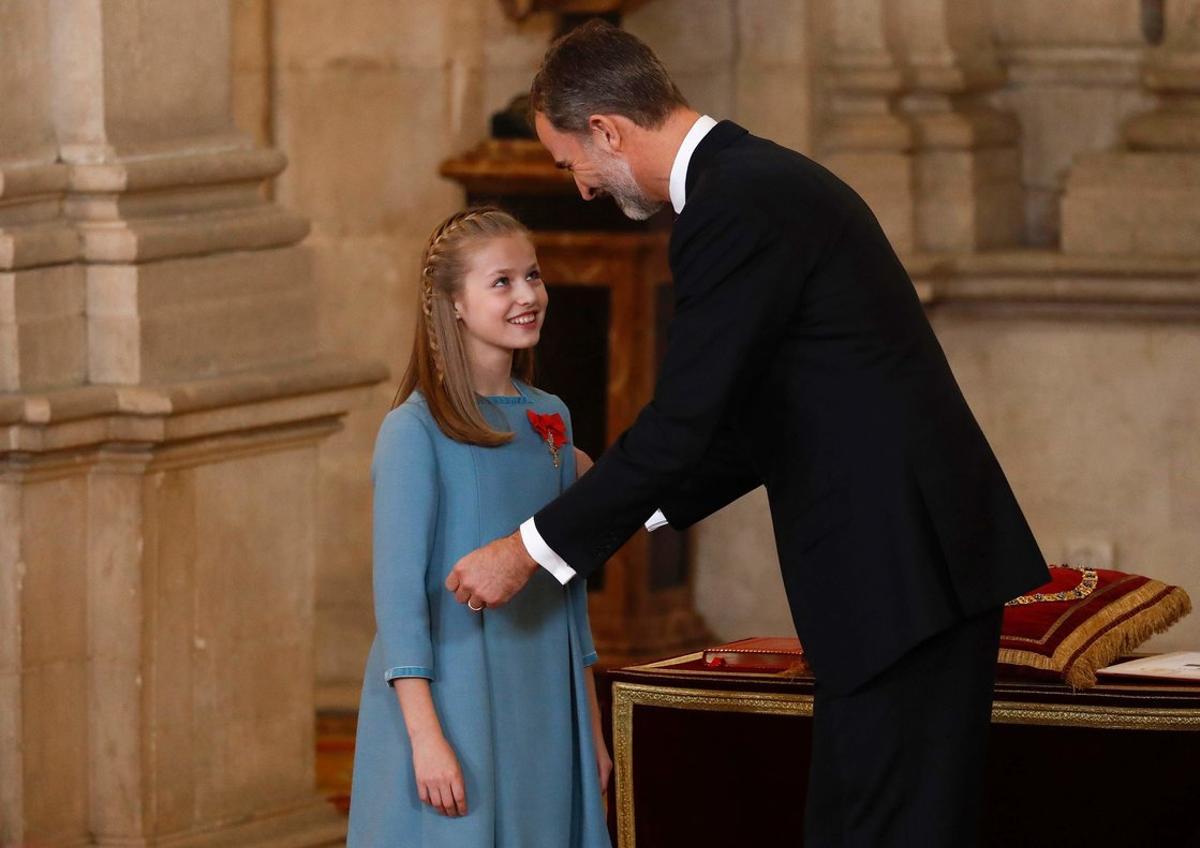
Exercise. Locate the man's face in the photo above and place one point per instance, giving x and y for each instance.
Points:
(597, 172)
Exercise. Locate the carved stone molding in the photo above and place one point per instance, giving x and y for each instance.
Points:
(1044, 283)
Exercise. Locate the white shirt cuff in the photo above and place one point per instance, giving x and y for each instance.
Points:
(543, 554)
(655, 521)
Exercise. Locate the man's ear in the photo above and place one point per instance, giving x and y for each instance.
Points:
(608, 133)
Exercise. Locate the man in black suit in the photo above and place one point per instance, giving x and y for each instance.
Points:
(799, 358)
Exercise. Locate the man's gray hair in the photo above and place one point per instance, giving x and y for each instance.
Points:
(599, 69)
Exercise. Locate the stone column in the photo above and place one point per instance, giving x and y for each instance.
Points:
(43, 342)
(162, 405)
(1145, 198)
(967, 165)
(865, 140)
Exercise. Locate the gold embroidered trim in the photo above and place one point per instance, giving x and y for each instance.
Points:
(1115, 588)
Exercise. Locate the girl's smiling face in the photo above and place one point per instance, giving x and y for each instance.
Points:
(502, 302)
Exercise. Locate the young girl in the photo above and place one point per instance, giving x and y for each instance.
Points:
(477, 729)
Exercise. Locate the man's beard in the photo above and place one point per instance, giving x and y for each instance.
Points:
(618, 182)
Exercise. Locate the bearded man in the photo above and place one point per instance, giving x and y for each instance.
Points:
(799, 358)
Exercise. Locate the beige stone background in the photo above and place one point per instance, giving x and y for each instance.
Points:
(1090, 406)
(169, 351)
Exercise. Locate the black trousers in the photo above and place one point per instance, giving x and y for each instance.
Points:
(900, 760)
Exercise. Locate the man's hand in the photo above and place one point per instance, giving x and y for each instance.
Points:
(491, 575)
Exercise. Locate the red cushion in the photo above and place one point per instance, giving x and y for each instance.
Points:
(1085, 619)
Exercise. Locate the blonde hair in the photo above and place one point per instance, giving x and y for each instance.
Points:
(438, 365)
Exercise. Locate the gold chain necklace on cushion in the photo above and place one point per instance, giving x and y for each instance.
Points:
(1086, 586)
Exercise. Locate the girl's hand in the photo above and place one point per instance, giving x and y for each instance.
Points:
(604, 766)
(439, 778)
(582, 462)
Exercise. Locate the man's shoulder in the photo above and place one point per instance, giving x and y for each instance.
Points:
(723, 201)
(758, 180)
(734, 182)
(751, 156)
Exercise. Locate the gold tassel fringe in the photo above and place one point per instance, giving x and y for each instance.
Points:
(1121, 639)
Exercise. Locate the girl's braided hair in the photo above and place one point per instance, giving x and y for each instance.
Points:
(438, 366)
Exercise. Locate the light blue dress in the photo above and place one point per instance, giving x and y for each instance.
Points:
(508, 684)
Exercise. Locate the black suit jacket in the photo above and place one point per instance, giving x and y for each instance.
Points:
(800, 358)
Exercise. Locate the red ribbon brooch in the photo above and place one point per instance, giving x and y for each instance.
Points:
(552, 431)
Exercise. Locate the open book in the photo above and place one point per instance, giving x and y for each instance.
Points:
(1180, 665)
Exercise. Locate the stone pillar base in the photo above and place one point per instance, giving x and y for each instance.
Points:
(1133, 203)
(156, 609)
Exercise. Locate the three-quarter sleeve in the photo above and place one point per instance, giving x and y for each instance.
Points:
(404, 473)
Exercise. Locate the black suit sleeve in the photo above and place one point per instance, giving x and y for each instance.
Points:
(723, 476)
(731, 275)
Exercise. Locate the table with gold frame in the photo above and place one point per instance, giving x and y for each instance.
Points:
(718, 757)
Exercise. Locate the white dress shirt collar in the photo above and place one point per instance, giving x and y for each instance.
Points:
(678, 184)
